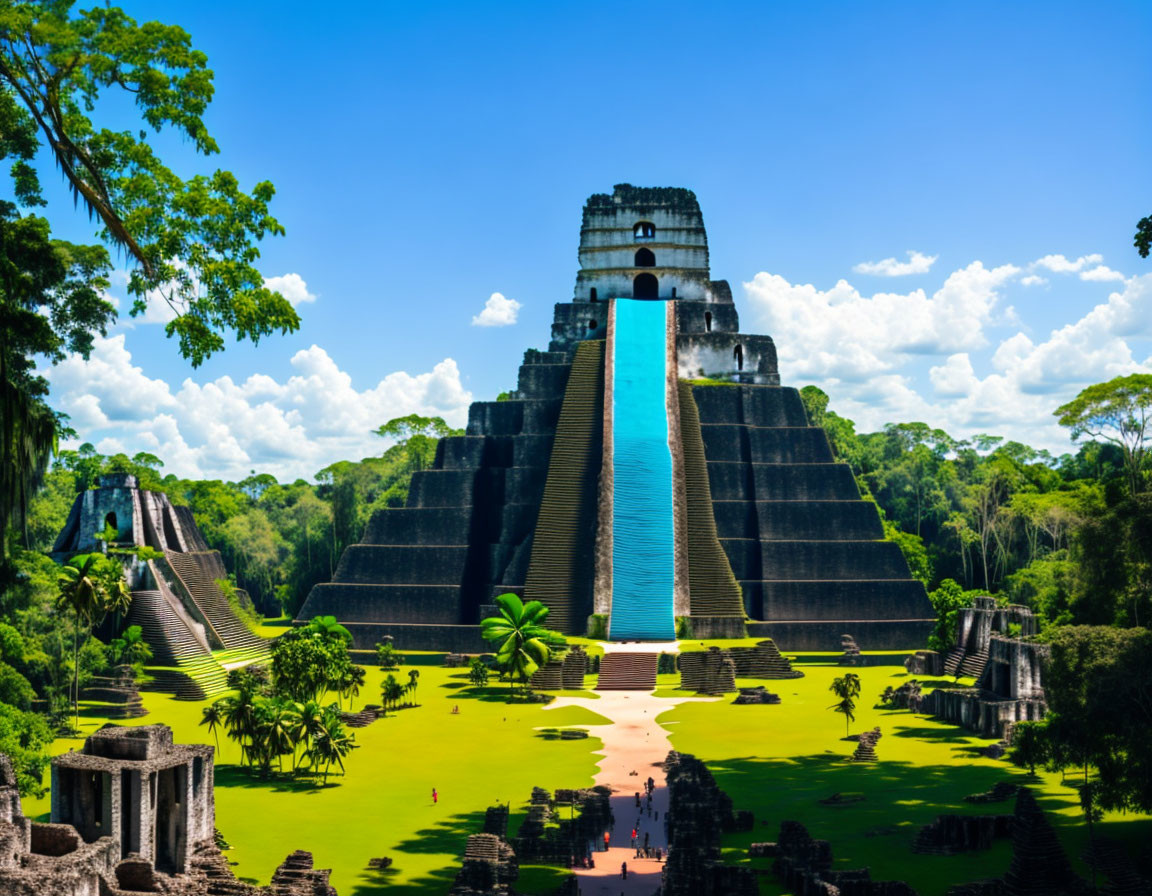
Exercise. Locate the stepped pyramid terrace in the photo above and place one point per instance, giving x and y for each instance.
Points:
(649, 466)
(185, 618)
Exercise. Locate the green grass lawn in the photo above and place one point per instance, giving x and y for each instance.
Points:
(489, 753)
(777, 761)
(780, 760)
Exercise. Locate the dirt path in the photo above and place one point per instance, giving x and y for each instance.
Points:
(634, 748)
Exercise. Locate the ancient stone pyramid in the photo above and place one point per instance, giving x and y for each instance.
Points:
(543, 498)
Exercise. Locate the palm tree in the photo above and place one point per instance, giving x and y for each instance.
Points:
(356, 678)
(333, 744)
(213, 716)
(413, 678)
(525, 645)
(846, 687)
(848, 708)
(82, 592)
(308, 721)
(391, 691)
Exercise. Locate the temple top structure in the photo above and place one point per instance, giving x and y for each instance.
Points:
(643, 243)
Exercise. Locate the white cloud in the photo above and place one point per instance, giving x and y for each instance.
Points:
(870, 352)
(1101, 273)
(498, 312)
(842, 333)
(1033, 280)
(292, 287)
(917, 263)
(1059, 264)
(222, 428)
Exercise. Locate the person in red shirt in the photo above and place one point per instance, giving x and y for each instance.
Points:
(606, 838)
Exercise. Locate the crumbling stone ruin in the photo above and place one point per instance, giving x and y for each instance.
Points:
(118, 689)
(1008, 688)
(925, 662)
(1039, 865)
(708, 671)
(851, 655)
(698, 813)
(758, 695)
(566, 673)
(547, 837)
(132, 812)
(153, 797)
(950, 834)
(974, 628)
(866, 746)
(180, 609)
(714, 671)
(490, 868)
(762, 661)
(764, 523)
(805, 867)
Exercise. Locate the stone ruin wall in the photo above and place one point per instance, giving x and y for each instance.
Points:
(86, 859)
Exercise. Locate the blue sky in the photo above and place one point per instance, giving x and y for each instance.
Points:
(427, 156)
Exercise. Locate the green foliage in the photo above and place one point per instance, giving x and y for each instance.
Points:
(524, 645)
(1029, 745)
(387, 656)
(193, 241)
(308, 661)
(15, 689)
(598, 626)
(947, 600)
(131, 648)
(912, 547)
(51, 303)
(683, 627)
(1117, 412)
(1100, 696)
(478, 673)
(24, 738)
(1143, 238)
(847, 688)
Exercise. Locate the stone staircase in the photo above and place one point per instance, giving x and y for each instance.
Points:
(119, 690)
(628, 671)
(198, 573)
(188, 670)
(959, 662)
(762, 661)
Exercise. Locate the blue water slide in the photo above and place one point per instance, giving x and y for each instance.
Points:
(642, 526)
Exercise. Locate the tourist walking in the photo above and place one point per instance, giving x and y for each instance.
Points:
(435, 796)
(624, 870)
(606, 839)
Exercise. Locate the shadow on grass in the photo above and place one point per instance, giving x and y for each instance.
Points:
(497, 694)
(278, 782)
(897, 799)
(449, 836)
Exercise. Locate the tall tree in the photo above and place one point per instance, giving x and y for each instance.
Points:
(1118, 412)
(193, 241)
(50, 304)
(1143, 239)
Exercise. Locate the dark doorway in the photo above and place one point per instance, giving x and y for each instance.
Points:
(592, 323)
(644, 230)
(645, 258)
(707, 321)
(645, 286)
(592, 294)
(110, 522)
(738, 354)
